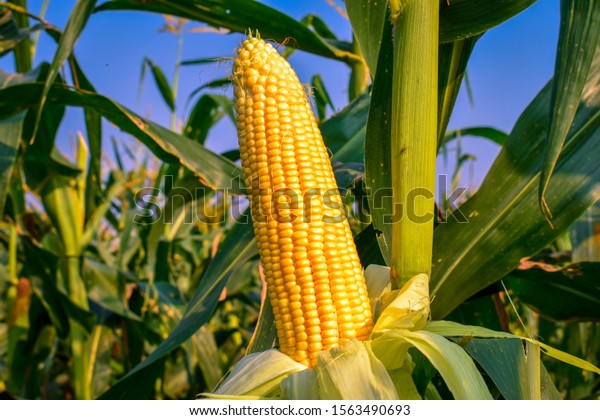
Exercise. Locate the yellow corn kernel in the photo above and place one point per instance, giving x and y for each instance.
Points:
(313, 274)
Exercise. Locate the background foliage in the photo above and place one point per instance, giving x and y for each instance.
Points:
(116, 282)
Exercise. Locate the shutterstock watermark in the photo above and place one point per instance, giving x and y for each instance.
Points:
(291, 205)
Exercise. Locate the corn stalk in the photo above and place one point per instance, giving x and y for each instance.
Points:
(414, 136)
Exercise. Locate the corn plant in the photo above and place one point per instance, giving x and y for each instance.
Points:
(113, 287)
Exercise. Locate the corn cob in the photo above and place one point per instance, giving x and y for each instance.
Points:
(314, 277)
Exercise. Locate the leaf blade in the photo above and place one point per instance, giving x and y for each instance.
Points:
(579, 29)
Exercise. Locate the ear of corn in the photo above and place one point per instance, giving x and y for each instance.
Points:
(313, 274)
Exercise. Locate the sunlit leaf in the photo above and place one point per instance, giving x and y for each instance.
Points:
(214, 170)
(491, 232)
(241, 16)
(579, 30)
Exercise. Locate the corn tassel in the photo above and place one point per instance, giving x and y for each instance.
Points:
(314, 277)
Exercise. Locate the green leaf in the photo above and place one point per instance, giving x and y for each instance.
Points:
(20, 21)
(106, 287)
(212, 60)
(452, 64)
(223, 83)
(347, 174)
(92, 225)
(481, 311)
(570, 294)
(585, 243)
(241, 16)
(77, 20)
(208, 356)
(11, 42)
(161, 82)
(461, 19)
(368, 19)
(504, 361)
(10, 135)
(579, 33)
(322, 97)
(344, 132)
(206, 113)
(319, 26)
(452, 329)
(93, 125)
(213, 170)
(368, 248)
(100, 347)
(40, 158)
(490, 133)
(490, 233)
(265, 333)
(378, 164)
(451, 361)
(237, 248)
(506, 364)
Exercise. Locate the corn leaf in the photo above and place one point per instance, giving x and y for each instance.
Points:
(452, 362)
(567, 358)
(322, 98)
(504, 361)
(265, 333)
(344, 132)
(452, 66)
(579, 30)
(318, 25)
(161, 82)
(93, 125)
(11, 40)
(367, 19)
(106, 287)
(241, 15)
(504, 223)
(452, 329)
(490, 133)
(19, 22)
(212, 169)
(368, 248)
(460, 19)
(404, 383)
(238, 247)
(10, 135)
(77, 20)
(207, 356)
(567, 294)
(207, 111)
(378, 165)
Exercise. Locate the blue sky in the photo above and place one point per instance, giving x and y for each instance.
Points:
(509, 66)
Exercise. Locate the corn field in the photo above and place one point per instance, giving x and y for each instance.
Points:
(314, 261)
